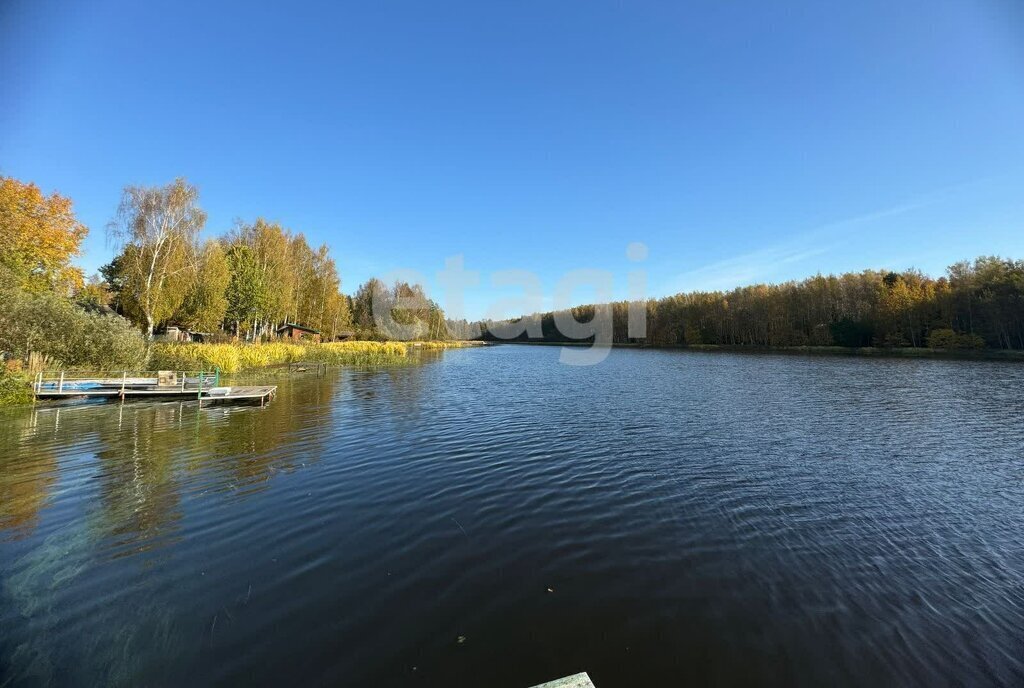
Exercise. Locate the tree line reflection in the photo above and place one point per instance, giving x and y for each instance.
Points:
(131, 466)
(142, 458)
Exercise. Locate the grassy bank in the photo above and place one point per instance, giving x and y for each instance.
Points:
(234, 358)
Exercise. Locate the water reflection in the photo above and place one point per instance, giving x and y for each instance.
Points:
(127, 474)
(142, 457)
(27, 476)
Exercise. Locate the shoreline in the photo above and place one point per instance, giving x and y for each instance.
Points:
(252, 359)
(1006, 355)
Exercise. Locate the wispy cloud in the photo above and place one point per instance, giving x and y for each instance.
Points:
(755, 266)
(774, 262)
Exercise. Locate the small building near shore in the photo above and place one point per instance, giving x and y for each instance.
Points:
(180, 333)
(297, 333)
(173, 333)
(345, 336)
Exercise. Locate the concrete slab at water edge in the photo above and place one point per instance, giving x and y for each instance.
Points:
(581, 680)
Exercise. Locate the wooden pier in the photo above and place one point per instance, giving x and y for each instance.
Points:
(201, 386)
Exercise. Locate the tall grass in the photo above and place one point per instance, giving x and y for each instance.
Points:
(452, 344)
(233, 358)
(358, 353)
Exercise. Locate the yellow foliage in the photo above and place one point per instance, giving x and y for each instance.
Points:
(233, 358)
(39, 235)
(357, 353)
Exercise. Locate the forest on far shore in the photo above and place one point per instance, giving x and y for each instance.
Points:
(975, 305)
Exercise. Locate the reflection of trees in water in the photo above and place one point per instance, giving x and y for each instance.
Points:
(138, 482)
(250, 445)
(160, 451)
(146, 461)
(149, 454)
(28, 471)
(399, 390)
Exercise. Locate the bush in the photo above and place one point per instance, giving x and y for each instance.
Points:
(970, 341)
(54, 327)
(14, 387)
(942, 339)
(948, 339)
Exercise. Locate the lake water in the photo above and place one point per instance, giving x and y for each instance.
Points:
(494, 518)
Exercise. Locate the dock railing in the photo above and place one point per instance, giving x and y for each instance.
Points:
(67, 382)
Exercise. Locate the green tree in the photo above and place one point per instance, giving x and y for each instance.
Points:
(247, 294)
(362, 307)
(206, 302)
(271, 247)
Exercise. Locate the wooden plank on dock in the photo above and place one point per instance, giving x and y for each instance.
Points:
(581, 680)
(237, 393)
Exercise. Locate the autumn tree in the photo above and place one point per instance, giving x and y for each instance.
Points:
(39, 236)
(270, 247)
(402, 311)
(362, 307)
(157, 229)
(247, 293)
(206, 303)
(979, 302)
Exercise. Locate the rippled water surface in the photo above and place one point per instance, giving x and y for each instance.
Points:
(493, 518)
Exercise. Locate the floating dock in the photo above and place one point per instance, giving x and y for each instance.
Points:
(200, 386)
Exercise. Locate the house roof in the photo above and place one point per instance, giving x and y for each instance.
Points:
(293, 326)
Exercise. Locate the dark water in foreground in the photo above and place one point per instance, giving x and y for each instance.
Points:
(705, 518)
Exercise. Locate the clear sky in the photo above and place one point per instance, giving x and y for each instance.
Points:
(740, 141)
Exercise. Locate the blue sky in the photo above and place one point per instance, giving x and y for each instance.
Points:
(740, 141)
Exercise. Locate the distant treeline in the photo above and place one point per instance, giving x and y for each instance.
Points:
(975, 305)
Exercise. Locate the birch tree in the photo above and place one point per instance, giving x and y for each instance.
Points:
(157, 229)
